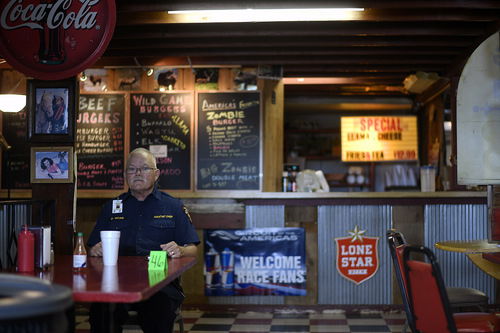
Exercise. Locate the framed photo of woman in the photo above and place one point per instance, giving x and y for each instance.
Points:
(51, 110)
(52, 164)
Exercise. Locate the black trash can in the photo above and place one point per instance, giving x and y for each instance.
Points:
(32, 305)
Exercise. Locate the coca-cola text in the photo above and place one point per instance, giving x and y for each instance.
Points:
(53, 15)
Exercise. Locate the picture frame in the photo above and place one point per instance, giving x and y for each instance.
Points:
(52, 164)
(52, 110)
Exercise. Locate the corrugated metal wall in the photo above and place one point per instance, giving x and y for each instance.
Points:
(442, 222)
(458, 222)
(18, 215)
(257, 217)
(336, 221)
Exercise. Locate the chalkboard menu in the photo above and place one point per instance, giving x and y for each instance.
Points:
(16, 161)
(228, 141)
(100, 141)
(161, 122)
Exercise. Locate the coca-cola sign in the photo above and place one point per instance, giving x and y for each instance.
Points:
(55, 39)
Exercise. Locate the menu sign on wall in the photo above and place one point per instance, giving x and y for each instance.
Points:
(100, 141)
(228, 141)
(16, 160)
(376, 139)
(161, 122)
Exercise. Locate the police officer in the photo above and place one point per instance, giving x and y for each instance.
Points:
(148, 219)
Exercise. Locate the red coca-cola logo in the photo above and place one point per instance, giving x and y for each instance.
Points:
(55, 39)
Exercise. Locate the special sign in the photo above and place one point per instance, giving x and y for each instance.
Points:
(357, 256)
(55, 39)
(372, 139)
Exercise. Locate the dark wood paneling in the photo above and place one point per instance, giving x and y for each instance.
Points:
(62, 194)
(218, 220)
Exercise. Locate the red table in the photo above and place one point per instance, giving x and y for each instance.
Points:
(128, 282)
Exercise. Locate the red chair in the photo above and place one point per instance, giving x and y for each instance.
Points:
(428, 300)
(459, 297)
(397, 244)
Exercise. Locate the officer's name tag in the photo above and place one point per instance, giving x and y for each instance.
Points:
(117, 206)
(157, 260)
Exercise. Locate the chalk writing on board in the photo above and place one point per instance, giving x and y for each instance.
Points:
(100, 141)
(163, 121)
(16, 167)
(228, 141)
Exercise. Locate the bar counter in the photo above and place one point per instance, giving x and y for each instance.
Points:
(94, 194)
(423, 217)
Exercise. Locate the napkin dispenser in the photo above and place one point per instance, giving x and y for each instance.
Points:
(42, 245)
(312, 181)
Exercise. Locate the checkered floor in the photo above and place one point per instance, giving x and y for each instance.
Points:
(281, 321)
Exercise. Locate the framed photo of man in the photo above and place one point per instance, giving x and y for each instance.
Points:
(52, 164)
(51, 110)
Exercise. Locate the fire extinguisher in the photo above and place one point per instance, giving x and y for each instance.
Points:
(25, 251)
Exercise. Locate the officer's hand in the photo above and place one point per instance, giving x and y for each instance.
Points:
(96, 250)
(173, 250)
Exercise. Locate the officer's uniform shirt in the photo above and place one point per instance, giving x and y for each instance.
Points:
(145, 225)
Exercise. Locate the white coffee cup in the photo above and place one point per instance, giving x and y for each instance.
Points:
(110, 244)
(109, 279)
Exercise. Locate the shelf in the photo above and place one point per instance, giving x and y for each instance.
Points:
(321, 157)
(316, 130)
(348, 185)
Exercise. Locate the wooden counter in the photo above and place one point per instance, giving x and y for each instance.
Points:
(246, 195)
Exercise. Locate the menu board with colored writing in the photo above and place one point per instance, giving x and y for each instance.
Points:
(16, 160)
(162, 122)
(229, 141)
(381, 138)
(100, 141)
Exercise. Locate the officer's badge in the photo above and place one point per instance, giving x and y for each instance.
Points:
(117, 206)
(187, 214)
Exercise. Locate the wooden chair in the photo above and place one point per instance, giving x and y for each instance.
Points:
(430, 309)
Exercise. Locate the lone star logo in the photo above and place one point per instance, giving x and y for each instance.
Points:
(356, 234)
(357, 256)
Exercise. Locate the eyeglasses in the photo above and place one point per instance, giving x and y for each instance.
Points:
(133, 170)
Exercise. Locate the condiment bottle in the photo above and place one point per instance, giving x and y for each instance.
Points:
(79, 254)
(284, 181)
(293, 181)
(25, 251)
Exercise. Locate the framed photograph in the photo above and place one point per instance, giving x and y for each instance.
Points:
(51, 110)
(52, 164)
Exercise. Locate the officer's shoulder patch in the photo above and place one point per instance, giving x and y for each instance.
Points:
(184, 208)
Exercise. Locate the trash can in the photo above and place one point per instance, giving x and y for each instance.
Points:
(32, 305)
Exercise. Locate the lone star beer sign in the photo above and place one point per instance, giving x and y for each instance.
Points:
(357, 256)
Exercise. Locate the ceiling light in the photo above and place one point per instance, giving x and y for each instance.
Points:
(265, 15)
(319, 80)
(150, 72)
(12, 102)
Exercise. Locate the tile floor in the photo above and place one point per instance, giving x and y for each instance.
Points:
(279, 321)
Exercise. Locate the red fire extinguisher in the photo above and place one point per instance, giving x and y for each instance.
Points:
(25, 251)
